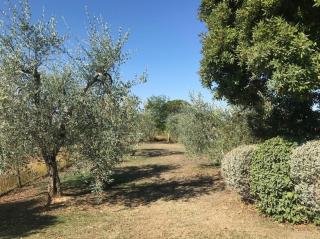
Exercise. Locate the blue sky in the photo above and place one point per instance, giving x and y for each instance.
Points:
(164, 39)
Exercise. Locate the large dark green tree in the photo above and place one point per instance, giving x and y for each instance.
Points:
(265, 55)
(160, 107)
(157, 107)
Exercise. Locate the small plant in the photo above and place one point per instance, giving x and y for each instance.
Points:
(271, 184)
(235, 169)
(305, 172)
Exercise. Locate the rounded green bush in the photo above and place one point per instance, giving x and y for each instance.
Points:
(305, 172)
(235, 169)
(271, 184)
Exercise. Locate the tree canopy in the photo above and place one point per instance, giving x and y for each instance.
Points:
(53, 97)
(265, 55)
(160, 107)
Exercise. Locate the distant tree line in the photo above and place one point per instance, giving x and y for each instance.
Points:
(205, 130)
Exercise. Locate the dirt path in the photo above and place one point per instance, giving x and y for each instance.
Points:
(156, 194)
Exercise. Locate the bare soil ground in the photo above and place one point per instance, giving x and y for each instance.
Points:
(158, 193)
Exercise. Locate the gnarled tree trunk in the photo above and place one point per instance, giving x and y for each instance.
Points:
(18, 175)
(54, 187)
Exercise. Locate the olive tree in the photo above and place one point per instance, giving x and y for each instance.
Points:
(209, 131)
(13, 151)
(147, 126)
(59, 98)
(197, 126)
(156, 106)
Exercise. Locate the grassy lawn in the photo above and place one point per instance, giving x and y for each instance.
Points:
(157, 193)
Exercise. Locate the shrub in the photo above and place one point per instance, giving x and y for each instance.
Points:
(208, 131)
(172, 125)
(271, 184)
(232, 131)
(305, 172)
(197, 127)
(235, 169)
(146, 127)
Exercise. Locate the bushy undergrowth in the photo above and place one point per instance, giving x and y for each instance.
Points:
(232, 131)
(271, 184)
(196, 127)
(235, 169)
(305, 172)
(146, 127)
(207, 131)
(172, 124)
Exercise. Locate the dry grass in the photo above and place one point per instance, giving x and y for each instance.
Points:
(156, 194)
(34, 169)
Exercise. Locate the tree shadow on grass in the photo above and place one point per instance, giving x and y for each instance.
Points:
(133, 173)
(23, 218)
(78, 185)
(167, 190)
(141, 185)
(155, 152)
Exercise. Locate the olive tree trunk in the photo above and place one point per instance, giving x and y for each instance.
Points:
(18, 176)
(54, 187)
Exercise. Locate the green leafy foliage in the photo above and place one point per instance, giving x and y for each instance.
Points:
(160, 107)
(305, 172)
(264, 55)
(157, 106)
(233, 130)
(107, 129)
(53, 98)
(236, 168)
(208, 131)
(14, 150)
(176, 106)
(197, 127)
(147, 128)
(172, 126)
(271, 184)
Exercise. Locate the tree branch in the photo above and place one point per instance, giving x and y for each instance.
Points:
(96, 79)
